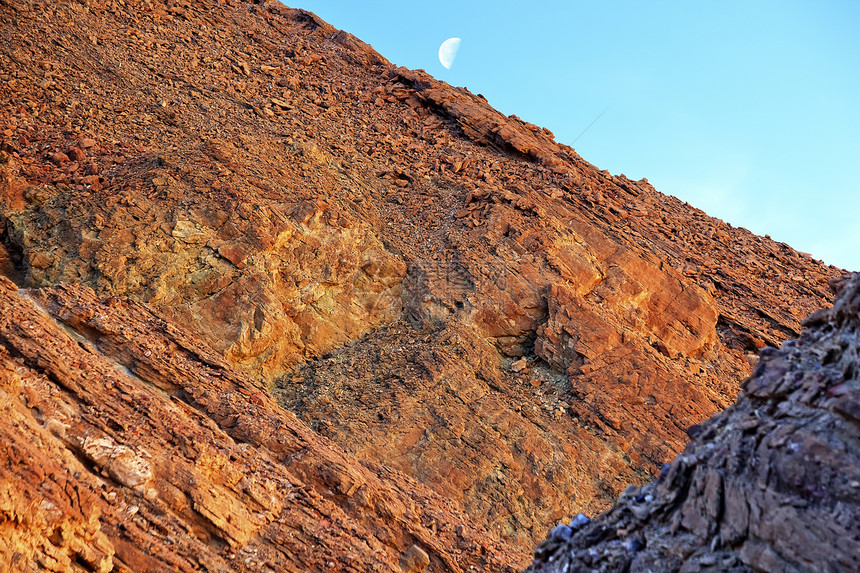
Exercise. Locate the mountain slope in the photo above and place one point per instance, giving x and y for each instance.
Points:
(128, 446)
(381, 249)
(771, 484)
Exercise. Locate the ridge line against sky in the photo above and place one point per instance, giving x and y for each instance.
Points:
(747, 110)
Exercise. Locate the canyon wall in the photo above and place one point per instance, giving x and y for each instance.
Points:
(436, 288)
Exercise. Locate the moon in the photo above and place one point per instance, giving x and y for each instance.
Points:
(448, 51)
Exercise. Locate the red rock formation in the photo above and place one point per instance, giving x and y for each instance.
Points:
(378, 248)
(128, 446)
(771, 484)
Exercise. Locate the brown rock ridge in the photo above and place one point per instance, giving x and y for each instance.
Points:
(381, 249)
(128, 446)
(771, 484)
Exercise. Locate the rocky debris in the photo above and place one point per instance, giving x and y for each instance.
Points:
(379, 248)
(771, 484)
(520, 365)
(414, 560)
(128, 446)
(484, 125)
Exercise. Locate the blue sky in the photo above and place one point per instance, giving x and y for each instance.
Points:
(749, 110)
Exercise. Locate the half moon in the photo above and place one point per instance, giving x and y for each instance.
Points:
(448, 51)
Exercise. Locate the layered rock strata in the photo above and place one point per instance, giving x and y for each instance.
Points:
(432, 285)
(771, 484)
(129, 446)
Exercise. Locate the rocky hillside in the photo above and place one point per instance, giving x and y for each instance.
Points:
(128, 446)
(436, 288)
(771, 484)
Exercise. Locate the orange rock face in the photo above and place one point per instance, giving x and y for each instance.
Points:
(771, 484)
(127, 446)
(433, 286)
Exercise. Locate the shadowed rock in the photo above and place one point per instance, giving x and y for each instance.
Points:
(771, 484)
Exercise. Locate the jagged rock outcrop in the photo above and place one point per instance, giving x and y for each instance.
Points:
(128, 446)
(771, 484)
(432, 285)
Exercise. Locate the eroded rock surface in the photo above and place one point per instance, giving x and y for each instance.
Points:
(771, 484)
(128, 446)
(380, 248)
